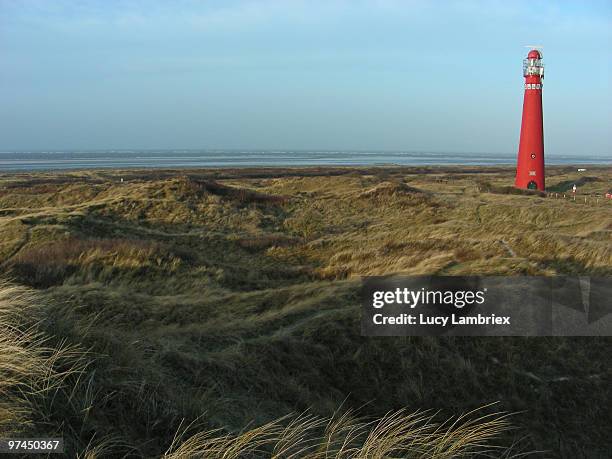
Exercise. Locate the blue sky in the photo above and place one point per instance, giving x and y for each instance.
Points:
(385, 75)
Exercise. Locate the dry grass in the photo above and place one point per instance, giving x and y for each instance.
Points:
(30, 369)
(236, 294)
(398, 434)
(265, 241)
(52, 262)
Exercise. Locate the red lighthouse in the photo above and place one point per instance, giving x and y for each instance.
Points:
(530, 162)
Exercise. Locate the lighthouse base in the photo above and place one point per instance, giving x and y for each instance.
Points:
(529, 183)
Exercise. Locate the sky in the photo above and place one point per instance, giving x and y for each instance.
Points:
(413, 75)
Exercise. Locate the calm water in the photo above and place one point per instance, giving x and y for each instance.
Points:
(49, 160)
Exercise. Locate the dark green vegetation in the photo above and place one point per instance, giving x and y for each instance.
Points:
(231, 297)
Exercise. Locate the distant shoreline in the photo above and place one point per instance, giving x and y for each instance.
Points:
(254, 172)
(233, 159)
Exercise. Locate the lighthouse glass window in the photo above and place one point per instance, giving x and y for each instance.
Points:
(533, 67)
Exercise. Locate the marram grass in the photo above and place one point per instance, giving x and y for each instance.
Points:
(234, 293)
(398, 434)
(31, 371)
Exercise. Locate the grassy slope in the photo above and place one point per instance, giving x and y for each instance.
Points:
(238, 297)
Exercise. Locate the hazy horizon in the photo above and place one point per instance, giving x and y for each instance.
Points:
(319, 76)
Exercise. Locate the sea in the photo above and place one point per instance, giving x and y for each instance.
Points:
(170, 159)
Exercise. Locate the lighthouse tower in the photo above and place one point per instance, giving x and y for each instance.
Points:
(530, 162)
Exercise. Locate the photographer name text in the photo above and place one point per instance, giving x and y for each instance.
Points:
(453, 319)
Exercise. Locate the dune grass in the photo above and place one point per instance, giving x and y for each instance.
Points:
(346, 436)
(30, 375)
(225, 299)
(31, 370)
